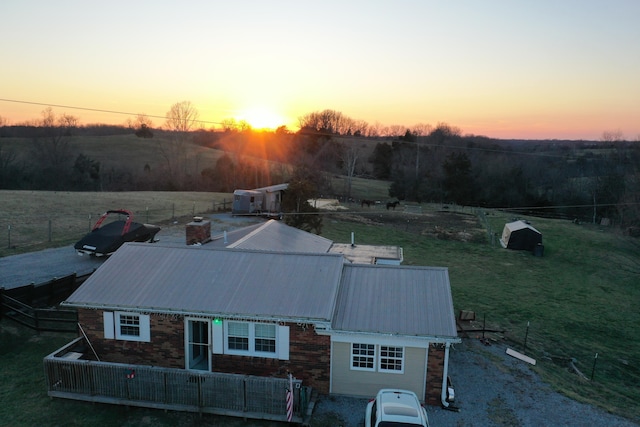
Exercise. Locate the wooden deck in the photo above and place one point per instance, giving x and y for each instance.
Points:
(69, 376)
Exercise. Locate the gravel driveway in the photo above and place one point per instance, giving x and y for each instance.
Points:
(492, 389)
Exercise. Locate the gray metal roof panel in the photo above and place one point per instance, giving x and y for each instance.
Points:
(153, 277)
(276, 236)
(397, 300)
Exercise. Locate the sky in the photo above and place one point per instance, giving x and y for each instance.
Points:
(543, 69)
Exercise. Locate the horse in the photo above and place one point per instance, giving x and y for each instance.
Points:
(366, 202)
(393, 205)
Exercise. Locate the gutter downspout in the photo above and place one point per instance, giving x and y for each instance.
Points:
(445, 373)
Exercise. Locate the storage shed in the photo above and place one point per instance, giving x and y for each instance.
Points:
(519, 235)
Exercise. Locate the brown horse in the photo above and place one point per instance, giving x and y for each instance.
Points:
(392, 205)
(366, 202)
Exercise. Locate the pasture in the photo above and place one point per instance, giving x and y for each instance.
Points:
(575, 307)
(33, 220)
(579, 299)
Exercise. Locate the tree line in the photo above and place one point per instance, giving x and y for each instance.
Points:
(588, 180)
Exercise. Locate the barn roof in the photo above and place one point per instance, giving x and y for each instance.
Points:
(396, 300)
(185, 280)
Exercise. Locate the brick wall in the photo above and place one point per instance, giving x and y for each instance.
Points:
(166, 348)
(435, 372)
(309, 353)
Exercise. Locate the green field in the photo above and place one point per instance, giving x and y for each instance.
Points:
(580, 299)
(32, 220)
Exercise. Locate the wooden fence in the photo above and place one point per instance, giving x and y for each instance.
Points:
(173, 389)
(35, 306)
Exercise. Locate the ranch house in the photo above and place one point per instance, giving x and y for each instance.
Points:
(336, 326)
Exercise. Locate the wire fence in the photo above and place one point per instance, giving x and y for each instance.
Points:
(28, 232)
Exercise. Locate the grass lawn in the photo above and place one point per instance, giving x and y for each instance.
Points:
(579, 299)
(34, 220)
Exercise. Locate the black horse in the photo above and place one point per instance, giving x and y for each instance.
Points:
(392, 205)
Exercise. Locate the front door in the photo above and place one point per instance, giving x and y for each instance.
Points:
(198, 352)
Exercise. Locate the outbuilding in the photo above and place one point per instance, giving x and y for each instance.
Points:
(520, 235)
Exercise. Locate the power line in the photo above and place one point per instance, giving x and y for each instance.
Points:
(98, 110)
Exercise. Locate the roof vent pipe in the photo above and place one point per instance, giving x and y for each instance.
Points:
(352, 239)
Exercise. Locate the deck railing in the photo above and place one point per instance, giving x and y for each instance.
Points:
(69, 376)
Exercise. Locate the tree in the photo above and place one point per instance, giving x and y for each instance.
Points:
(8, 169)
(51, 152)
(181, 118)
(144, 132)
(381, 158)
(349, 156)
(295, 203)
(86, 173)
(458, 183)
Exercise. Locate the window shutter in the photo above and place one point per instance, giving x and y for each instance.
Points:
(109, 330)
(283, 342)
(145, 328)
(217, 338)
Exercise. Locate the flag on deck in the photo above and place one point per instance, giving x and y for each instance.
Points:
(290, 399)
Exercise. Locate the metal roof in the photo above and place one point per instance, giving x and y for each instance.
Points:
(520, 225)
(273, 188)
(395, 300)
(224, 282)
(275, 236)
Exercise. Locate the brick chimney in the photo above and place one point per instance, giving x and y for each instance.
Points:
(198, 231)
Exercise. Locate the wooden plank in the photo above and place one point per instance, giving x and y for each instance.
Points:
(520, 356)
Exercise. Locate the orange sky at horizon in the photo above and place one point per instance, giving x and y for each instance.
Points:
(507, 69)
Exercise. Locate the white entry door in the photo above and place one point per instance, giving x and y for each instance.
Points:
(197, 348)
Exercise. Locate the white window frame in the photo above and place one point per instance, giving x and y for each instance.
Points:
(281, 341)
(113, 326)
(376, 357)
(394, 358)
(373, 357)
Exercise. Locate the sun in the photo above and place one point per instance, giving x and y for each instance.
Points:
(262, 118)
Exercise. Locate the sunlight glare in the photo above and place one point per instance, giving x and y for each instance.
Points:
(262, 118)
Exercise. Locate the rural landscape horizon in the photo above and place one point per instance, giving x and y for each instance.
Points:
(504, 70)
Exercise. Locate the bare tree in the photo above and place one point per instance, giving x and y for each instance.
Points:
(612, 136)
(181, 118)
(349, 156)
(51, 154)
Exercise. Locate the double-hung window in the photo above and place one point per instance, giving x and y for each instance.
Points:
(363, 356)
(238, 336)
(265, 337)
(126, 326)
(256, 339)
(373, 357)
(391, 359)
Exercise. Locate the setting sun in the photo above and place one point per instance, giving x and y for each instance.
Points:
(262, 118)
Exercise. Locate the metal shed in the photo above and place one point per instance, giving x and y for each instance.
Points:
(519, 235)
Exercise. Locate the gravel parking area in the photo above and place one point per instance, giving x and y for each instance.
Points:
(492, 389)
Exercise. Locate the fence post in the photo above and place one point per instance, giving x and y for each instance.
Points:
(49, 230)
(1, 303)
(9, 236)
